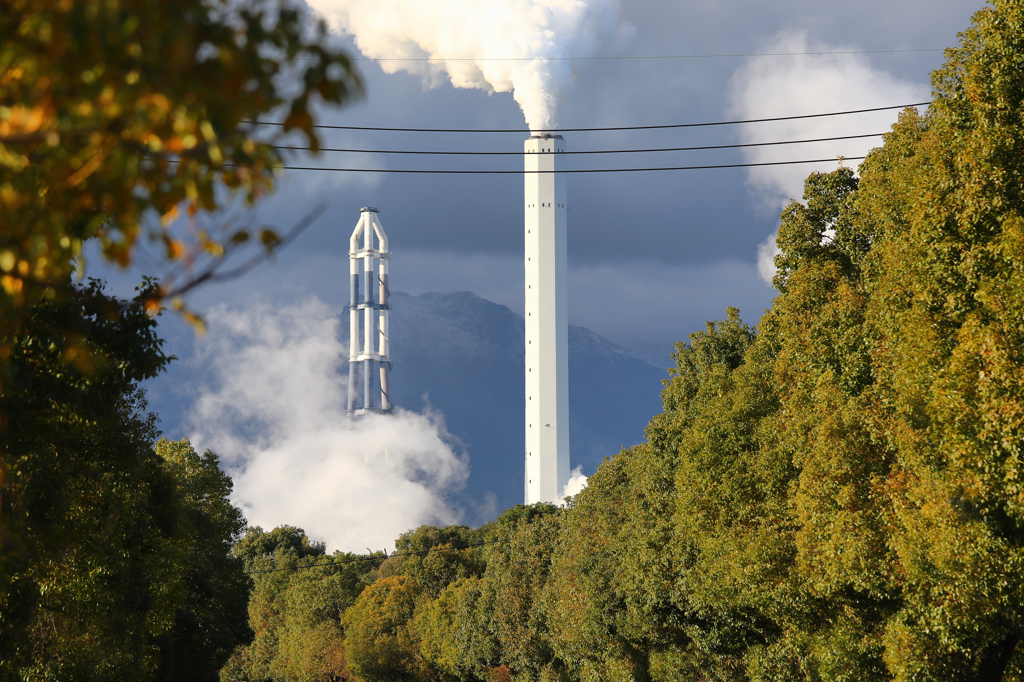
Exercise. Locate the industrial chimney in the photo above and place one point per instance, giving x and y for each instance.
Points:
(547, 325)
(368, 344)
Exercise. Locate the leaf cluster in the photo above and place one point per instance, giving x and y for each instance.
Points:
(116, 115)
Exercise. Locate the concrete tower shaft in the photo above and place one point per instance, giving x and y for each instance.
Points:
(369, 346)
(547, 324)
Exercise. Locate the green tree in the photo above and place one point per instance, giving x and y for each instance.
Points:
(380, 641)
(947, 299)
(115, 116)
(297, 607)
(489, 624)
(212, 618)
(261, 549)
(454, 632)
(650, 580)
(312, 638)
(518, 565)
(431, 557)
(841, 571)
(89, 576)
(270, 557)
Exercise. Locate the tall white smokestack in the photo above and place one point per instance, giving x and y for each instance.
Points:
(547, 324)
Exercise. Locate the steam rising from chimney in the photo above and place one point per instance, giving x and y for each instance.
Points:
(494, 46)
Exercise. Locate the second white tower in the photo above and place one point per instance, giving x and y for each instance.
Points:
(368, 345)
(547, 324)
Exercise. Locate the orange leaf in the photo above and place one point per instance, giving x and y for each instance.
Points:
(170, 216)
(90, 166)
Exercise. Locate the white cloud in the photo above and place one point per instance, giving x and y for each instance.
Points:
(516, 46)
(766, 253)
(766, 87)
(273, 408)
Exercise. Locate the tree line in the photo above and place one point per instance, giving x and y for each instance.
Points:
(832, 494)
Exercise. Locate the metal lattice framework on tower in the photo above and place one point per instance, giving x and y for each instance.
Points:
(369, 347)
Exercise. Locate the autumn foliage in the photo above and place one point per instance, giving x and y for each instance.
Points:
(835, 494)
(116, 116)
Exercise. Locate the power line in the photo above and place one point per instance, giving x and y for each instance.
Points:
(629, 58)
(594, 130)
(375, 558)
(605, 151)
(585, 170)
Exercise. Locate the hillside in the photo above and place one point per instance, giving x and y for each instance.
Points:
(465, 355)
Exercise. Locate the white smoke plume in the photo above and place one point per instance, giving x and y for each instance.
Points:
(273, 407)
(517, 46)
(574, 486)
(767, 86)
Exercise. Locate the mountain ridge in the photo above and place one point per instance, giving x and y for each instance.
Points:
(466, 354)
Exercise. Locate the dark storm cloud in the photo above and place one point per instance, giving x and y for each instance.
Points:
(687, 217)
(678, 222)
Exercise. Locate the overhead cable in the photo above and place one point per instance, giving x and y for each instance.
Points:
(574, 170)
(634, 57)
(604, 151)
(594, 130)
